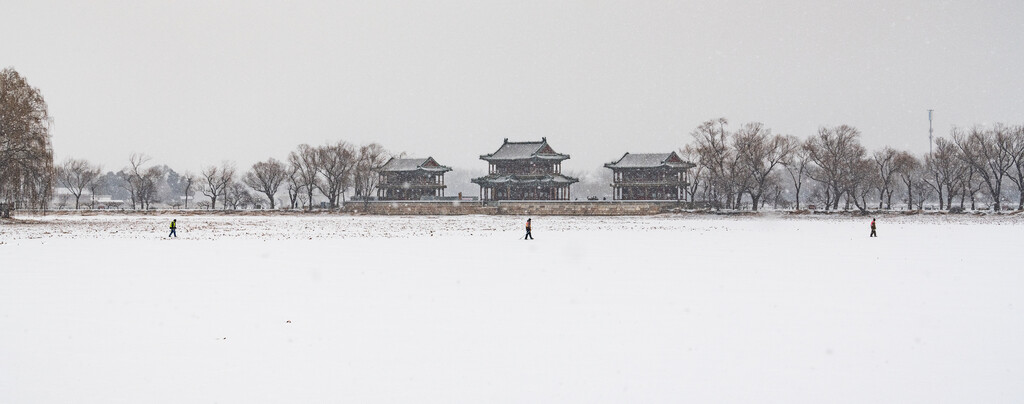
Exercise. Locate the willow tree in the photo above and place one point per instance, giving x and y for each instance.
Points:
(26, 155)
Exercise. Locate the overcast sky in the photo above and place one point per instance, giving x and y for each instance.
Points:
(193, 83)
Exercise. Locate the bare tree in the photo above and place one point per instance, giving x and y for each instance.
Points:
(909, 169)
(861, 180)
(944, 171)
(188, 179)
(93, 187)
(77, 175)
(884, 161)
(266, 177)
(985, 150)
(365, 175)
(711, 143)
(132, 179)
(1014, 147)
(294, 186)
(335, 163)
(305, 169)
(922, 190)
(688, 153)
(149, 186)
(215, 181)
(972, 185)
(796, 165)
(835, 152)
(757, 154)
(777, 186)
(236, 195)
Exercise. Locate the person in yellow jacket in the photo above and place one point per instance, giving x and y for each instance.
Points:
(174, 228)
(528, 235)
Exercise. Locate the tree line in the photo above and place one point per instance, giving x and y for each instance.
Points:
(328, 170)
(831, 168)
(736, 168)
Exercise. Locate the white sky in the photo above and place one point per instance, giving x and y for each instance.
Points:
(193, 83)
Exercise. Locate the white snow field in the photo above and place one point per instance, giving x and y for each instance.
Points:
(689, 308)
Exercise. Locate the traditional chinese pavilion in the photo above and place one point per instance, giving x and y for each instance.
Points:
(411, 179)
(525, 171)
(649, 176)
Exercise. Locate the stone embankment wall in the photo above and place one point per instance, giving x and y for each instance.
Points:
(538, 208)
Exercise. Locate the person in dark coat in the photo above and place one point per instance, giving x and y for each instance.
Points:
(873, 228)
(528, 235)
(174, 228)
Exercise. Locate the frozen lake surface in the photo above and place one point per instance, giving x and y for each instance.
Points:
(323, 308)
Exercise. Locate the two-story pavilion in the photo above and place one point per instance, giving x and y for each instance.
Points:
(411, 179)
(524, 171)
(649, 176)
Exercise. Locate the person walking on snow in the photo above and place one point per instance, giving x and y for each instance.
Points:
(174, 227)
(528, 236)
(873, 228)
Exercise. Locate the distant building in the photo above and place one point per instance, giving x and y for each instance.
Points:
(649, 176)
(411, 179)
(525, 171)
(63, 198)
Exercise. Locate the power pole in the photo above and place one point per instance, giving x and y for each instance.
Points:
(930, 131)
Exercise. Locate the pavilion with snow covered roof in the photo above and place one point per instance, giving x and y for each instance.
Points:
(525, 171)
(649, 176)
(411, 179)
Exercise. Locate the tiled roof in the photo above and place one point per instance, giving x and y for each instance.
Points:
(520, 179)
(650, 160)
(525, 150)
(413, 164)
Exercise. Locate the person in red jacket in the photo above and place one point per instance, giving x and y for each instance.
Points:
(873, 228)
(528, 236)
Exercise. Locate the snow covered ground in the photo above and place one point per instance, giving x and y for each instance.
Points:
(251, 309)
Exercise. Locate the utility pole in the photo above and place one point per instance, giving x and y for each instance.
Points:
(930, 131)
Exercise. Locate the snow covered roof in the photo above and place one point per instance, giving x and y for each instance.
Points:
(59, 191)
(520, 179)
(414, 164)
(650, 160)
(525, 150)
